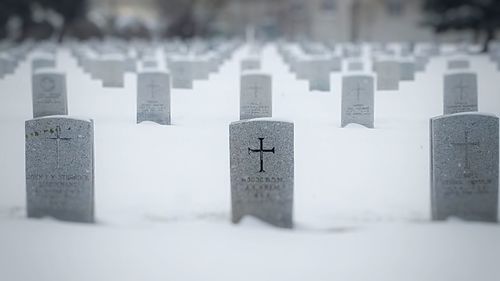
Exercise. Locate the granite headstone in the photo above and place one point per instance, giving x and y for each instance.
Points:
(464, 166)
(262, 170)
(60, 168)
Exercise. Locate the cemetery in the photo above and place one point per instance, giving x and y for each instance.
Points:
(244, 158)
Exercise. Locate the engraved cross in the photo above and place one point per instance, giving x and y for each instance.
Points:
(462, 88)
(58, 140)
(261, 151)
(467, 145)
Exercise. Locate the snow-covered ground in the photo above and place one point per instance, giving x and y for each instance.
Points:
(362, 196)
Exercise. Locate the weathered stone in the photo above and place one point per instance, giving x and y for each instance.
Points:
(358, 100)
(262, 171)
(153, 97)
(460, 93)
(464, 167)
(255, 96)
(49, 93)
(60, 168)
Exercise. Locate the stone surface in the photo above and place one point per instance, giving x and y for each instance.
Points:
(407, 71)
(49, 93)
(388, 75)
(458, 64)
(153, 97)
(460, 93)
(319, 75)
(464, 167)
(60, 168)
(250, 64)
(355, 66)
(111, 70)
(43, 61)
(262, 171)
(256, 98)
(182, 74)
(358, 100)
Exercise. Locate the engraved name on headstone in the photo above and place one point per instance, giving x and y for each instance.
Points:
(262, 171)
(49, 93)
(256, 98)
(60, 168)
(153, 97)
(464, 166)
(460, 93)
(358, 100)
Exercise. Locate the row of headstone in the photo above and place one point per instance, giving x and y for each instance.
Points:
(464, 168)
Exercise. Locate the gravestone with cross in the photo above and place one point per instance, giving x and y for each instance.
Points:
(460, 93)
(153, 97)
(60, 168)
(262, 170)
(464, 166)
(388, 75)
(255, 95)
(358, 100)
(49, 93)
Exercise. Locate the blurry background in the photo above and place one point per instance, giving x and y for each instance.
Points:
(339, 20)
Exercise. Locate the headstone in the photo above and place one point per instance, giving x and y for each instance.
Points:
(464, 167)
(355, 66)
(60, 168)
(49, 93)
(407, 72)
(262, 171)
(252, 63)
(112, 70)
(153, 97)
(460, 93)
(458, 64)
(319, 75)
(256, 98)
(388, 75)
(43, 61)
(182, 74)
(358, 100)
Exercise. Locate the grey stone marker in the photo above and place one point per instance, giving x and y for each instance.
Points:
(458, 64)
(182, 74)
(153, 97)
(60, 168)
(112, 71)
(460, 93)
(355, 66)
(43, 61)
(256, 98)
(388, 75)
(250, 64)
(49, 93)
(262, 171)
(319, 75)
(358, 100)
(407, 72)
(464, 166)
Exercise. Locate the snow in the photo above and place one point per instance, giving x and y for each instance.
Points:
(362, 196)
